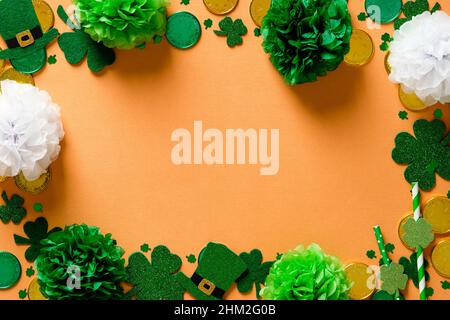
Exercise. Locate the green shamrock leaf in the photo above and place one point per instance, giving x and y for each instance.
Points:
(389, 247)
(30, 271)
(191, 258)
(52, 59)
(256, 273)
(414, 8)
(371, 254)
(403, 115)
(233, 30)
(257, 32)
(23, 294)
(13, 209)
(429, 291)
(145, 247)
(362, 16)
(76, 45)
(445, 285)
(410, 267)
(438, 114)
(155, 280)
(418, 233)
(208, 23)
(185, 2)
(431, 142)
(386, 37)
(392, 278)
(36, 231)
(436, 7)
(384, 46)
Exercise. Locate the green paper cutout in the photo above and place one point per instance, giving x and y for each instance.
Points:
(145, 247)
(257, 32)
(76, 45)
(384, 46)
(38, 207)
(392, 278)
(410, 268)
(429, 291)
(362, 16)
(208, 23)
(36, 231)
(438, 114)
(30, 272)
(23, 294)
(13, 209)
(431, 143)
(389, 247)
(233, 30)
(418, 233)
(436, 7)
(403, 115)
(256, 273)
(386, 37)
(445, 285)
(155, 280)
(414, 8)
(371, 254)
(185, 2)
(52, 59)
(191, 258)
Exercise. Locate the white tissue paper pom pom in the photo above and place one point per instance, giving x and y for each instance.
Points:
(420, 57)
(30, 130)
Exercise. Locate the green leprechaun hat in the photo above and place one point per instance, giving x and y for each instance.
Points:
(22, 32)
(218, 268)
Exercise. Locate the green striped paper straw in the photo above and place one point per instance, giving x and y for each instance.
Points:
(419, 252)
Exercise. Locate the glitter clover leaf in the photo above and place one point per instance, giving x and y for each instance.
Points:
(362, 16)
(52, 59)
(445, 285)
(389, 247)
(13, 209)
(233, 30)
(145, 247)
(425, 154)
(208, 23)
(256, 273)
(392, 277)
(410, 268)
(371, 254)
(30, 271)
(191, 258)
(418, 233)
(23, 294)
(414, 8)
(403, 115)
(155, 280)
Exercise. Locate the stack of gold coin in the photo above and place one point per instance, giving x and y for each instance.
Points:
(34, 291)
(44, 14)
(363, 279)
(437, 212)
(440, 258)
(401, 230)
(36, 186)
(258, 10)
(12, 74)
(220, 7)
(410, 100)
(361, 49)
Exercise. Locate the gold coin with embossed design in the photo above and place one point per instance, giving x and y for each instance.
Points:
(45, 14)
(440, 258)
(437, 212)
(34, 291)
(363, 279)
(12, 74)
(361, 49)
(220, 6)
(410, 100)
(258, 10)
(36, 186)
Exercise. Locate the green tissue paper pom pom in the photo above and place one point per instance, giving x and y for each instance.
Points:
(306, 38)
(306, 274)
(123, 24)
(80, 263)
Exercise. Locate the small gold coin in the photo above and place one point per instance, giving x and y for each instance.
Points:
(258, 10)
(220, 6)
(12, 74)
(361, 49)
(34, 291)
(45, 14)
(34, 187)
(401, 229)
(410, 101)
(437, 212)
(440, 258)
(362, 276)
(387, 66)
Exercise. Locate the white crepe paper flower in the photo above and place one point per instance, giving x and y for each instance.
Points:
(30, 130)
(420, 57)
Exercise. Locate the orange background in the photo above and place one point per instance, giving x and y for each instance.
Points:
(336, 180)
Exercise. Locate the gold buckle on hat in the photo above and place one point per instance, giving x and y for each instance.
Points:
(25, 38)
(206, 286)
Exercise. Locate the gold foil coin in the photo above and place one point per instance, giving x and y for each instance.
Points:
(34, 291)
(410, 101)
(363, 279)
(401, 230)
(361, 49)
(440, 258)
(220, 6)
(387, 66)
(258, 10)
(36, 186)
(437, 212)
(12, 74)
(45, 14)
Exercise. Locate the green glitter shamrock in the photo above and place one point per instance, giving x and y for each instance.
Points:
(418, 233)
(386, 37)
(383, 295)
(384, 46)
(52, 59)
(155, 280)
(403, 115)
(430, 144)
(36, 231)
(13, 209)
(23, 294)
(410, 268)
(389, 247)
(445, 285)
(233, 30)
(145, 247)
(208, 23)
(362, 16)
(392, 278)
(429, 291)
(185, 2)
(414, 8)
(191, 258)
(257, 32)
(76, 45)
(30, 271)
(256, 273)
(371, 254)
(438, 114)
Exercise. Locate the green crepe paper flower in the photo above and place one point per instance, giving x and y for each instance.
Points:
(306, 38)
(425, 154)
(306, 274)
(418, 233)
(123, 24)
(81, 248)
(393, 278)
